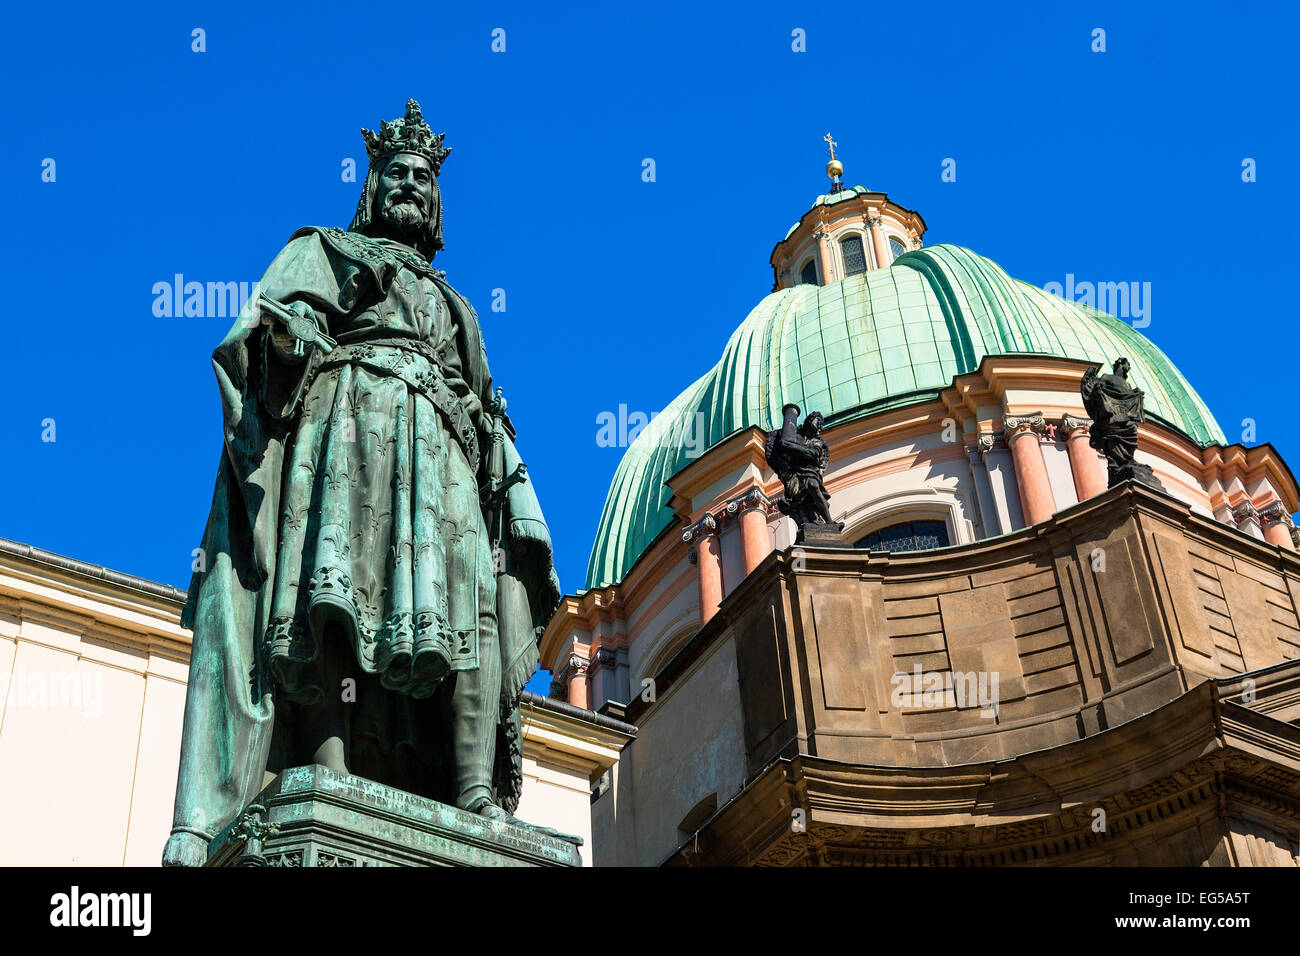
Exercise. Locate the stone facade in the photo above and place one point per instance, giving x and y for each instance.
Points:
(982, 703)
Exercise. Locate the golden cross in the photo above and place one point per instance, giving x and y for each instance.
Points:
(832, 143)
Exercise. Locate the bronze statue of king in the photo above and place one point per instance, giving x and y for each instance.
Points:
(375, 565)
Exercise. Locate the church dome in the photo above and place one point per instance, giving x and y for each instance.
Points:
(852, 348)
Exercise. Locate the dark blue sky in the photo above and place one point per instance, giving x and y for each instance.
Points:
(1116, 166)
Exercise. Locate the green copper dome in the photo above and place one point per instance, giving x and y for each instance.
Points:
(869, 343)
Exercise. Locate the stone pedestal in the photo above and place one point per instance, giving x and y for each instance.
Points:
(1135, 472)
(821, 535)
(313, 816)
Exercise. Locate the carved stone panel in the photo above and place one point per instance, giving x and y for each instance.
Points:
(981, 637)
(1185, 596)
(1248, 608)
(1126, 598)
(842, 652)
(759, 663)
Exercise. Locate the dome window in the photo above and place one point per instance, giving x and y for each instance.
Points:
(896, 248)
(906, 536)
(854, 260)
(808, 274)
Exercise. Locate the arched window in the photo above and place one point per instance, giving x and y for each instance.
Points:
(808, 274)
(854, 260)
(907, 536)
(896, 248)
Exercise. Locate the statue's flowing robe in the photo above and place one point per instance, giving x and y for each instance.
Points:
(348, 509)
(1116, 409)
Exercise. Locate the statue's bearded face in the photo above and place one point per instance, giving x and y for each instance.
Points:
(404, 197)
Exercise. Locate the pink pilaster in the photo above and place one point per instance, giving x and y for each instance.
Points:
(1031, 470)
(1085, 466)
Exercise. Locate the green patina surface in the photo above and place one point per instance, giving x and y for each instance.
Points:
(867, 344)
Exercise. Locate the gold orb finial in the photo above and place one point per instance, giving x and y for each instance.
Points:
(834, 169)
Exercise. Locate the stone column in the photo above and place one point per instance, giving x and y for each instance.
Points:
(824, 251)
(755, 542)
(708, 564)
(1085, 466)
(1031, 470)
(570, 684)
(1277, 524)
(578, 668)
(878, 242)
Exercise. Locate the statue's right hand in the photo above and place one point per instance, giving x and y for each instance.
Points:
(185, 849)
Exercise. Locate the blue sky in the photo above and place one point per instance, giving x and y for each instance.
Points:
(1116, 166)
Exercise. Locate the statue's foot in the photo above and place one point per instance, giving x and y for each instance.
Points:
(185, 849)
(490, 811)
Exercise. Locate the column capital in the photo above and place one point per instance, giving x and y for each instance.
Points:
(985, 442)
(1273, 513)
(705, 526)
(1245, 511)
(603, 657)
(575, 665)
(1018, 424)
(1071, 424)
(874, 220)
(749, 500)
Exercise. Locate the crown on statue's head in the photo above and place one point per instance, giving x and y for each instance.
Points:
(408, 134)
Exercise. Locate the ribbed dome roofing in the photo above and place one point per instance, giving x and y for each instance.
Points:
(872, 342)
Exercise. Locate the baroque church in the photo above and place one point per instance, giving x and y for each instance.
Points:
(1007, 663)
(1011, 664)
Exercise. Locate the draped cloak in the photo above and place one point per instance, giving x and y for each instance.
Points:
(347, 500)
(1116, 409)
